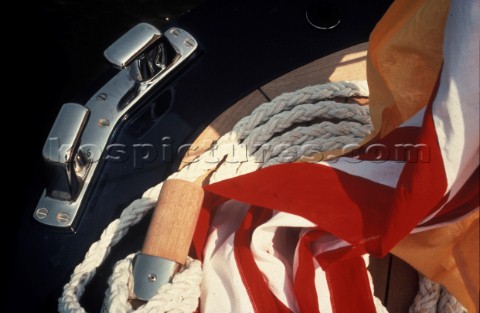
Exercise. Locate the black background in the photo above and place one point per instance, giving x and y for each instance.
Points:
(60, 59)
(60, 55)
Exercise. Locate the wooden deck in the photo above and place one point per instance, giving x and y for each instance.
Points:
(396, 283)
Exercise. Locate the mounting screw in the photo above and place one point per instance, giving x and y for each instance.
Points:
(102, 97)
(152, 278)
(175, 32)
(103, 122)
(63, 217)
(41, 213)
(189, 43)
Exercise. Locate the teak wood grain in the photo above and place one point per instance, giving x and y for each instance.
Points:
(173, 222)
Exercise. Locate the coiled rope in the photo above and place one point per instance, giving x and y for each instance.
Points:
(292, 125)
(433, 297)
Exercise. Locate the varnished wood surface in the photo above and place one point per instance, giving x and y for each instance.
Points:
(402, 286)
(379, 269)
(223, 124)
(171, 227)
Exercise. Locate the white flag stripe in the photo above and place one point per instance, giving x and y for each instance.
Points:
(456, 112)
(274, 251)
(382, 172)
(222, 287)
(456, 106)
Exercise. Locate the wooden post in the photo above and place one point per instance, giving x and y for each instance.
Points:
(173, 222)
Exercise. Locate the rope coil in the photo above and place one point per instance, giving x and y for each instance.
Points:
(274, 133)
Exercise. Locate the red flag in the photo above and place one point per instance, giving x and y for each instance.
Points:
(300, 224)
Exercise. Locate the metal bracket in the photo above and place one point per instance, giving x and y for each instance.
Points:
(150, 273)
(80, 134)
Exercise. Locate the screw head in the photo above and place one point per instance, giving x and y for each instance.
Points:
(102, 97)
(189, 43)
(175, 32)
(103, 122)
(41, 213)
(152, 278)
(63, 217)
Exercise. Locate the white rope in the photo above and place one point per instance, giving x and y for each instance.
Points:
(433, 297)
(448, 303)
(305, 113)
(261, 133)
(84, 272)
(427, 297)
(181, 295)
(287, 101)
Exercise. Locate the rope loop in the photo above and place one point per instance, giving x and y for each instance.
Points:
(292, 125)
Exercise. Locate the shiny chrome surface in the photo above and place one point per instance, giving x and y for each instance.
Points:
(128, 47)
(59, 152)
(107, 107)
(143, 50)
(149, 63)
(150, 273)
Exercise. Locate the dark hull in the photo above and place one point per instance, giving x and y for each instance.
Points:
(243, 45)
